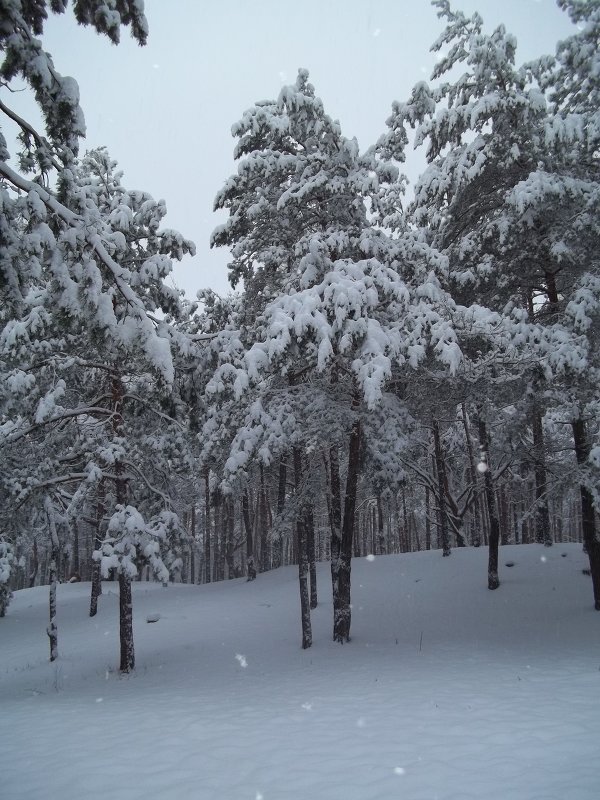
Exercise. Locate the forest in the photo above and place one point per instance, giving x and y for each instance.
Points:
(393, 370)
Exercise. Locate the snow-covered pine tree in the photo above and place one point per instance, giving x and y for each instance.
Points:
(336, 306)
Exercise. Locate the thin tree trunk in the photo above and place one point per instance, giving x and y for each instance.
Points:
(52, 629)
(96, 565)
(440, 472)
(588, 522)
(494, 540)
(427, 520)
(193, 545)
(250, 566)
(474, 480)
(207, 527)
(281, 486)
(312, 558)
(302, 554)
(380, 530)
(542, 518)
(34, 566)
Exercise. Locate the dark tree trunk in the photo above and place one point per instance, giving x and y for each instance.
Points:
(336, 528)
(281, 486)
(542, 517)
(479, 524)
(207, 527)
(312, 556)
(588, 522)
(52, 629)
(494, 540)
(193, 545)
(250, 566)
(440, 470)
(303, 554)
(35, 565)
(380, 530)
(229, 543)
(127, 661)
(263, 516)
(96, 590)
(427, 520)
(126, 624)
(341, 570)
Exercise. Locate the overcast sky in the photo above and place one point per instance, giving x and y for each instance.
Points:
(165, 111)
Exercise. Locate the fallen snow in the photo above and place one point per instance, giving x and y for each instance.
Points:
(446, 691)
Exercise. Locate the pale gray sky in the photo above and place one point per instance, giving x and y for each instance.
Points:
(165, 111)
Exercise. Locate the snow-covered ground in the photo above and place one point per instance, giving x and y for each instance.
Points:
(446, 691)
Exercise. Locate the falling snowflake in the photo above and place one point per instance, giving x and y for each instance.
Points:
(370, 557)
(242, 660)
(543, 559)
(399, 771)
(482, 467)
(307, 706)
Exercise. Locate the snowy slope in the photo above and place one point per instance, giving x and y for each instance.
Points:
(446, 691)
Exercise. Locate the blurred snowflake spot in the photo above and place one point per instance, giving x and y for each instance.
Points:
(399, 770)
(370, 557)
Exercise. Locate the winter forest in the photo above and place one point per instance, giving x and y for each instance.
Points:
(393, 371)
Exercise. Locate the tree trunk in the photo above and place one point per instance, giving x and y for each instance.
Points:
(479, 524)
(312, 557)
(542, 517)
(303, 555)
(125, 600)
(281, 486)
(380, 530)
(52, 629)
(588, 522)
(207, 527)
(494, 539)
(427, 520)
(96, 566)
(250, 566)
(342, 567)
(34, 566)
(440, 473)
(193, 545)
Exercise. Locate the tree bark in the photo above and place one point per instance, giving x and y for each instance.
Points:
(341, 568)
(302, 553)
(588, 522)
(494, 539)
(52, 628)
(96, 566)
(207, 527)
(440, 473)
(312, 556)
(250, 566)
(542, 517)
(380, 529)
(127, 661)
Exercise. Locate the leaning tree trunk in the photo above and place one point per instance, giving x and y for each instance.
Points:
(440, 469)
(302, 553)
(341, 568)
(588, 523)
(494, 540)
(52, 629)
